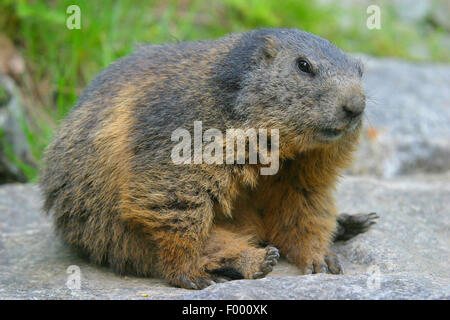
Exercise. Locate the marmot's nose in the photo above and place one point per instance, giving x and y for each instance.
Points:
(354, 106)
(352, 111)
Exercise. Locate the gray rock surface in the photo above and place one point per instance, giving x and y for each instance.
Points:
(404, 256)
(408, 108)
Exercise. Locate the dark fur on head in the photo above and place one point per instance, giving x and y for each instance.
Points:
(267, 84)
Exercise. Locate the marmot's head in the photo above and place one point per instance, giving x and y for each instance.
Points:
(299, 83)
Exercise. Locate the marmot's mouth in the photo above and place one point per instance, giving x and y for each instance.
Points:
(331, 134)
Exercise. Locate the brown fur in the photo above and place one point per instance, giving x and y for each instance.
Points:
(117, 197)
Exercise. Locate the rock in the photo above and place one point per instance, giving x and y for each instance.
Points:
(11, 133)
(407, 116)
(404, 256)
(440, 14)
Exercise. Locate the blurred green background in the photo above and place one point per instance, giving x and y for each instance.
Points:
(60, 62)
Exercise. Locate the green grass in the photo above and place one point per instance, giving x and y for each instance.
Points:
(60, 62)
(30, 172)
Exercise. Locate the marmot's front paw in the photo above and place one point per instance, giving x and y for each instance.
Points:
(333, 264)
(252, 264)
(270, 260)
(329, 264)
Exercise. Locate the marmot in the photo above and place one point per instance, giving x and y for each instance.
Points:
(117, 197)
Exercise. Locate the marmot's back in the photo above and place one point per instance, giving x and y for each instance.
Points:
(158, 85)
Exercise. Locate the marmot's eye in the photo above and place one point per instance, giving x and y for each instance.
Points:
(304, 66)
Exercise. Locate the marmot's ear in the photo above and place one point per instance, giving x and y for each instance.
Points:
(270, 48)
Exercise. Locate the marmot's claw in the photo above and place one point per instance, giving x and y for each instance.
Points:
(258, 275)
(320, 268)
(184, 282)
(329, 264)
(202, 283)
(189, 285)
(334, 266)
(272, 254)
(221, 279)
(309, 270)
(271, 259)
(193, 283)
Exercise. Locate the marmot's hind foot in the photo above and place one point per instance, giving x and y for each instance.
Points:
(195, 283)
(349, 226)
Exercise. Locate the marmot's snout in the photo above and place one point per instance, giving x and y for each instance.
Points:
(354, 105)
(347, 113)
(351, 108)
